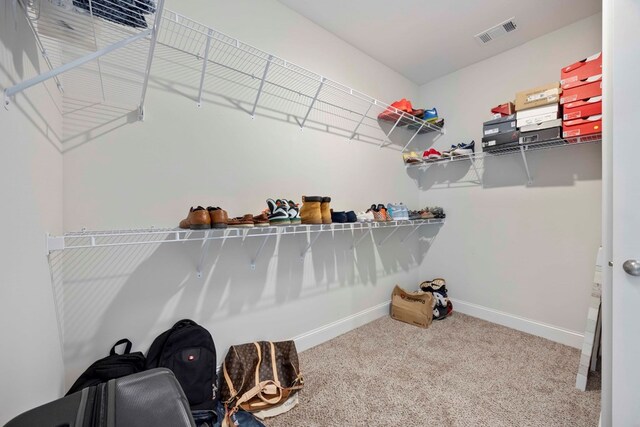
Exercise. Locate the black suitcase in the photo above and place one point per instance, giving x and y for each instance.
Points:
(150, 398)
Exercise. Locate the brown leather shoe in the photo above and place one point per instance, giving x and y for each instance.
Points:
(245, 221)
(261, 220)
(218, 216)
(198, 219)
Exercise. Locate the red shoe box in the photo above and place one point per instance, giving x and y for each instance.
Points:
(582, 89)
(582, 108)
(581, 127)
(591, 66)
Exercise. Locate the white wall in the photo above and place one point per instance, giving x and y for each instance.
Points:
(511, 249)
(31, 194)
(143, 174)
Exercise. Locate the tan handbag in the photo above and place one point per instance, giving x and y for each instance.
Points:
(260, 375)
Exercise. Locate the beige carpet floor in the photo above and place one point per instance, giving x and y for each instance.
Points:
(462, 371)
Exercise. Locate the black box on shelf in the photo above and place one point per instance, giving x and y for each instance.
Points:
(501, 125)
(543, 135)
(500, 140)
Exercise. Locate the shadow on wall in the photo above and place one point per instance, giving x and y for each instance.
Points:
(137, 291)
(553, 167)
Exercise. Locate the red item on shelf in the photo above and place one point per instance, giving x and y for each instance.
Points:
(591, 66)
(582, 89)
(583, 108)
(581, 127)
(392, 115)
(504, 109)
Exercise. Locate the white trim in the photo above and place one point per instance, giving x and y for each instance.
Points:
(544, 330)
(325, 333)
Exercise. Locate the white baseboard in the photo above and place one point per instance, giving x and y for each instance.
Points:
(339, 327)
(550, 332)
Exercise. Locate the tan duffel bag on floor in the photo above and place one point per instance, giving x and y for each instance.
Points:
(260, 375)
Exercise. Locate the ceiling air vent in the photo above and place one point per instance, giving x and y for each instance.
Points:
(499, 30)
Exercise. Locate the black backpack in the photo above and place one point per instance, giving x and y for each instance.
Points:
(111, 367)
(188, 350)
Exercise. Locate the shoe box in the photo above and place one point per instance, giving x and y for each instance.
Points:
(591, 66)
(581, 127)
(582, 89)
(543, 135)
(583, 108)
(538, 97)
(505, 109)
(537, 115)
(500, 125)
(541, 126)
(500, 140)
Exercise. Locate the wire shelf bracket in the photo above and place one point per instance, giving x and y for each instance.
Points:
(204, 66)
(526, 165)
(264, 76)
(415, 229)
(203, 254)
(258, 252)
(360, 239)
(383, 241)
(304, 252)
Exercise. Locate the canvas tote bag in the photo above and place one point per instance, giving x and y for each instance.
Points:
(260, 375)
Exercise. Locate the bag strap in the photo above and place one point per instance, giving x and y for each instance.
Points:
(127, 348)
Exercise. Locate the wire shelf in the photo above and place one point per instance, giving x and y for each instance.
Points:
(258, 78)
(97, 239)
(519, 148)
(96, 50)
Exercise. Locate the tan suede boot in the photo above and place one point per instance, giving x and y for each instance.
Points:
(310, 211)
(325, 209)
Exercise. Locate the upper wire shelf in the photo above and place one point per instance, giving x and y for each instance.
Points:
(96, 50)
(262, 79)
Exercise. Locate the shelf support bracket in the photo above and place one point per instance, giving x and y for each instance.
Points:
(313, 101)
(384, 143)
(205, 249)
(152, 48)
(304, 252)
(360, 239)
(255, 257)
(414, 135)
(526, 165)
(204, 66)
(475, 169)
(11, 91)
(404, 239)
(264, 76)
(388, 237)
(355, 131)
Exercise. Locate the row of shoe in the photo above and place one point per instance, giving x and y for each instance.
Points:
(431, 155)
(314, 210)
(404, 105)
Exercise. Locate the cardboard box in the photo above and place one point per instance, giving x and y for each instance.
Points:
(581, 127)
(540, 126)
(591, 66)
(504, 109)
(528, 138)
(584, 108)
(501, 140)
(415, 308)
(539, 96)
(501, 125)
(582, 89)
(537, 115)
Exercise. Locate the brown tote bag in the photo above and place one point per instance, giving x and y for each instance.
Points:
(260, 375)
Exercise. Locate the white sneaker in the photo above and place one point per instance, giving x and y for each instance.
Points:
(365, 216)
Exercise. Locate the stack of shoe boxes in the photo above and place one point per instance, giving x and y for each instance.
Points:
(538, 114)
(582, 97)
(500, 132)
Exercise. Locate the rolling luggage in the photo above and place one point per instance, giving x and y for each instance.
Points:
(150, 398)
